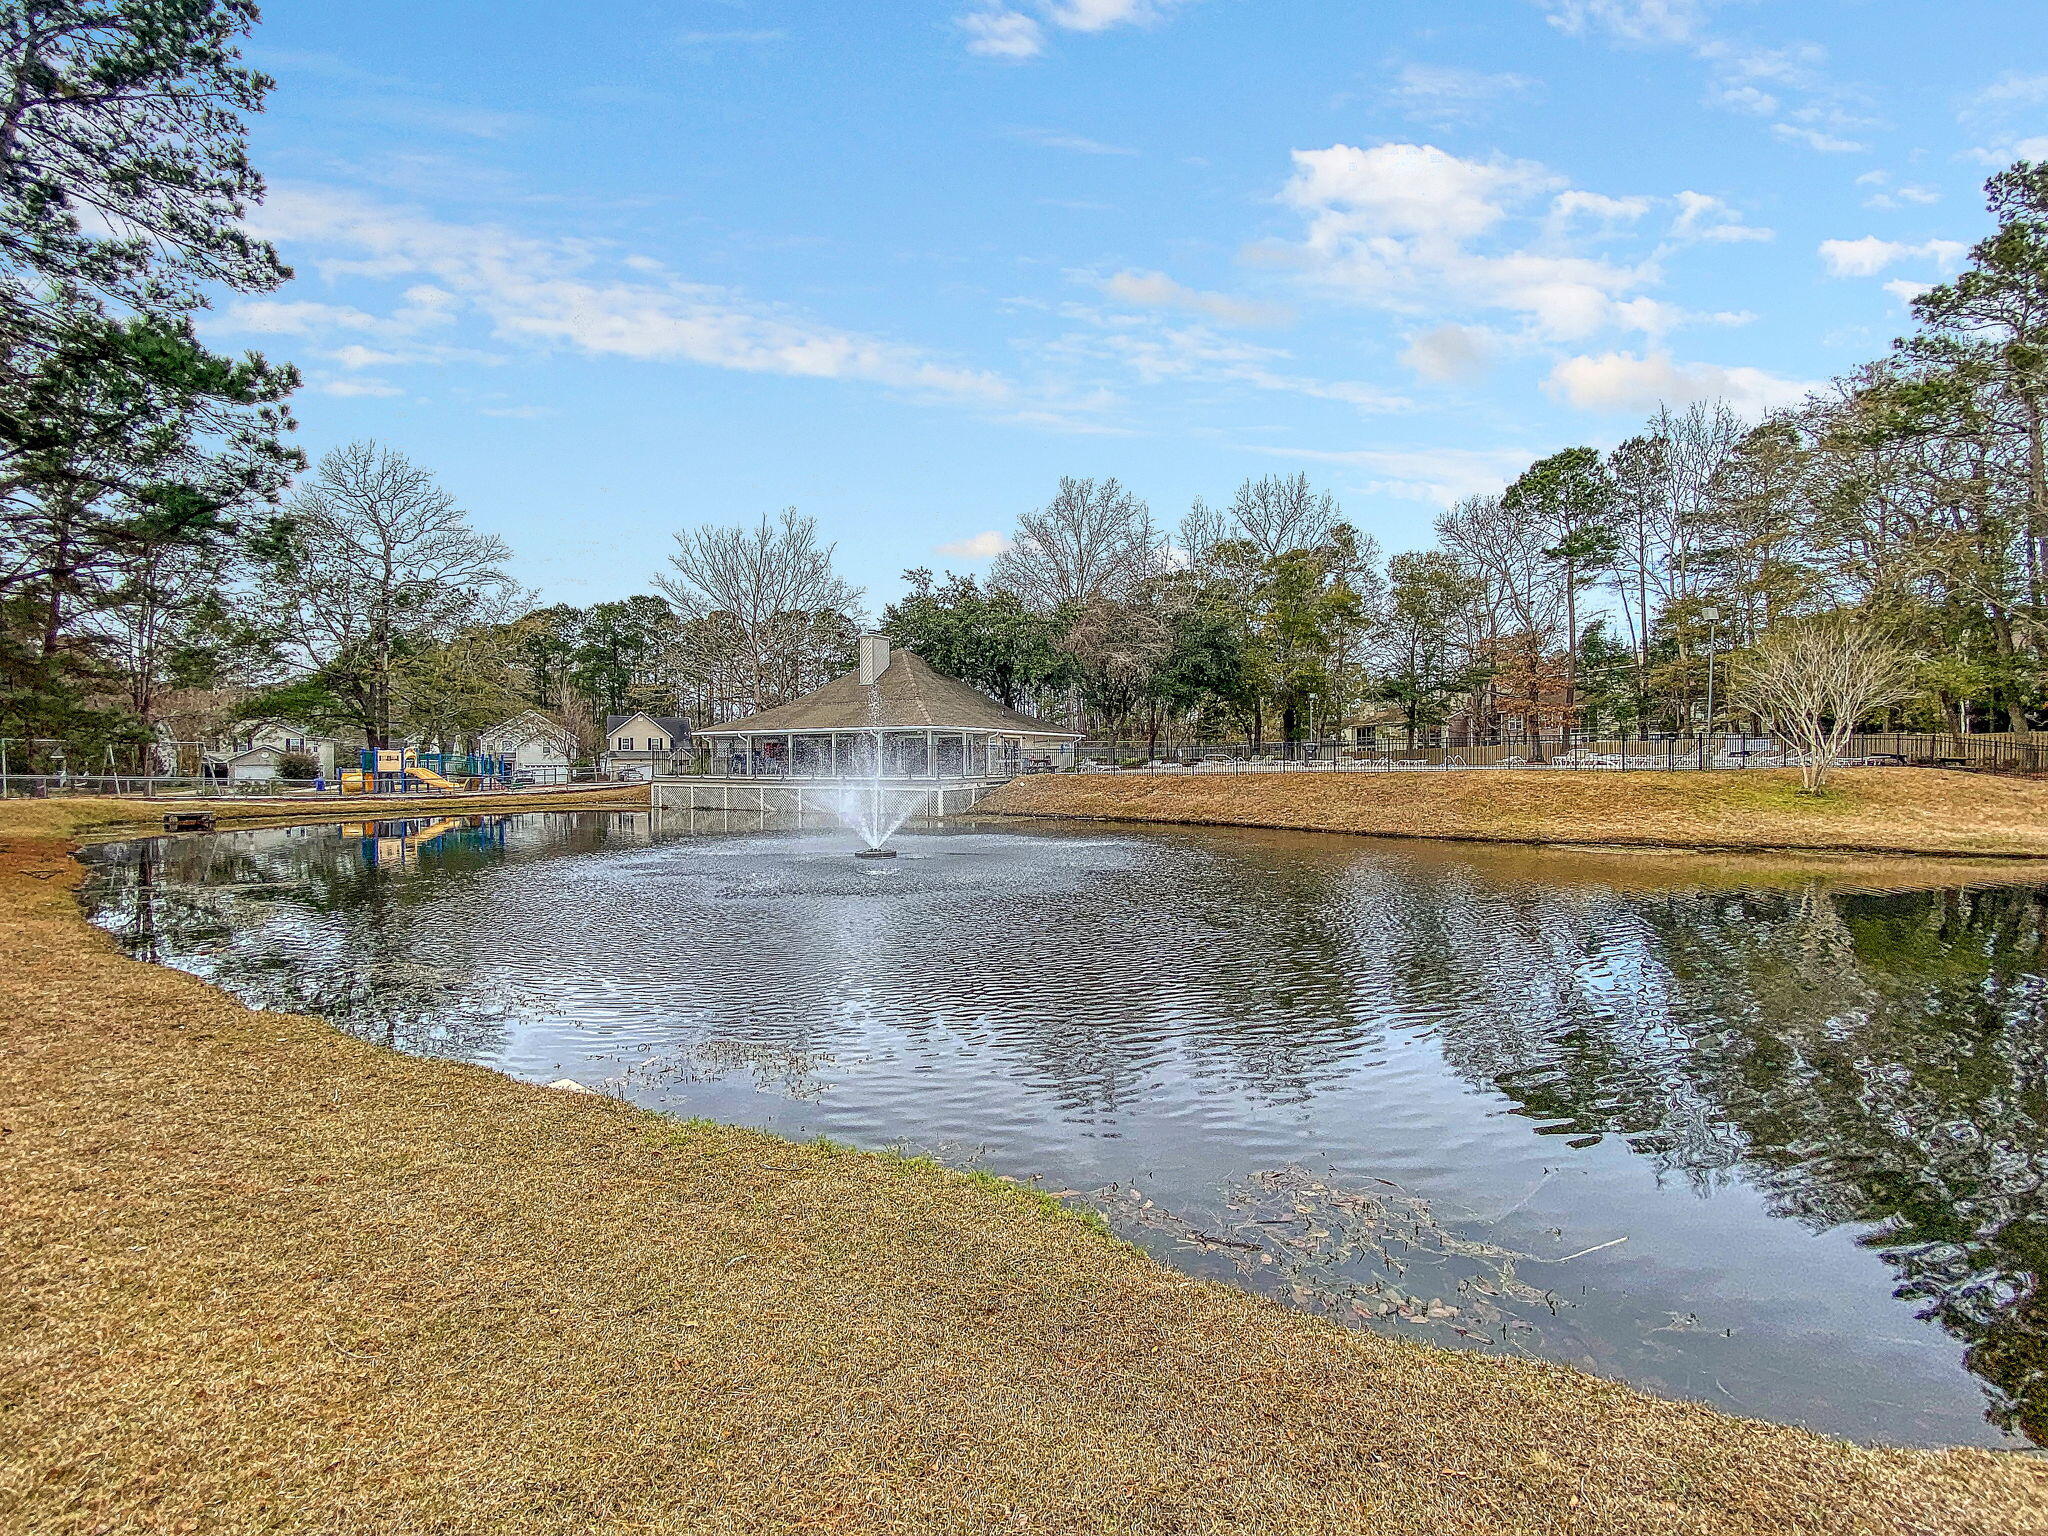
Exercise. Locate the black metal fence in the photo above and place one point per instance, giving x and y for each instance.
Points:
(2007, 754)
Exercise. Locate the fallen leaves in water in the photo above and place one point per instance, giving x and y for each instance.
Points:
(1347, 1250)
(775, 1068)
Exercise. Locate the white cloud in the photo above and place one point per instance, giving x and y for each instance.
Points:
(1408, 190)
(1705, 218)
(1813, 138)
(737, 36)
(1905, 290)
(356, 356)
(1002, 34)
(1443, 94)
(1018, 31)
(372, 387)
(557, 293)
(1787, 84)
(2004, 110)
(1157, 353)
(1871, 255)
(1627, 381)
(425, 308)
(2005, 151)
(977, 546)
(364, 357)
(1433, 475)
(1073, 141)
(1598, 207)
(1155, 290)
(1888, 197)
(2012, 89)
(1448, 354)
(280, 317)
(1908, 196)
(1412, 228)
(1635, 21)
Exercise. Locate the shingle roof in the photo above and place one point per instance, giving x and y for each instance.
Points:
(531, 723)
(677, 727)
(908, 695)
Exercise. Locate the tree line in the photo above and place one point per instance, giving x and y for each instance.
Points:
(169, 564)
(1893, 526)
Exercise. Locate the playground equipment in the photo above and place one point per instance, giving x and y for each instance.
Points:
(394, 771)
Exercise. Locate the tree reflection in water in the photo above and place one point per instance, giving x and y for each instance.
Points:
(1867, 1061)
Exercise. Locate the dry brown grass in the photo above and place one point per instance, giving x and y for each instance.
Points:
(264, 1277)
(1868, 810)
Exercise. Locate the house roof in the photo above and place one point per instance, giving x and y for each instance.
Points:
(908, 695)
(287, 727)
(677, 727)
(529, 725)
(1391, 714)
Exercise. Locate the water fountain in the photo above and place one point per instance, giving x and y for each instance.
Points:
(873, 810)
(891, 737)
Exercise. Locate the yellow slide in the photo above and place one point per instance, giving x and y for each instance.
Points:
(428, 776)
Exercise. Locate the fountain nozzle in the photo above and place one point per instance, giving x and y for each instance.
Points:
(875, 853)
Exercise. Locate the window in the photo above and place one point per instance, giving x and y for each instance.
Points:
(654, 744)
(623, 744)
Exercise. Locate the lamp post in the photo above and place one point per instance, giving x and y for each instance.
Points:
(1712, 615)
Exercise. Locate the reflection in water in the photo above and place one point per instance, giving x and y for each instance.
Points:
(1761, 1137)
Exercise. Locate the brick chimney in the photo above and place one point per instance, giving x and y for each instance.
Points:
(874, 657)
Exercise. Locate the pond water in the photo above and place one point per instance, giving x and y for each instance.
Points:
(1768, 1136)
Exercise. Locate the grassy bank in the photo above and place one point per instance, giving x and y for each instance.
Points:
(1867, 810)
(264, 1277)
(87, 816)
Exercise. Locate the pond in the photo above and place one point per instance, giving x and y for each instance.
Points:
(1771, 1136)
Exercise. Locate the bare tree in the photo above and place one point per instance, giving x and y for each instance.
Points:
(1094, 539)
(1520, 610)
(371, 558)
(1201, 531)
(1815, 680)
(758, 577)
(1279, 513)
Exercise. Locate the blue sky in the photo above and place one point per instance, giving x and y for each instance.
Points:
(618, 268)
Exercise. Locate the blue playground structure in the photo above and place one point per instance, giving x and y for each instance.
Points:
(395, 772)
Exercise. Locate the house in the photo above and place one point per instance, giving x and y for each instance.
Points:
(639, 746)
(892, 717)
(537, 745)
(1386, 726)
(254, 752)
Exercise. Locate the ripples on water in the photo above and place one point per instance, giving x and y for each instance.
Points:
(1760, 1141)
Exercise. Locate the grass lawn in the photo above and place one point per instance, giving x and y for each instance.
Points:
(1866, 810)
(263, 1277)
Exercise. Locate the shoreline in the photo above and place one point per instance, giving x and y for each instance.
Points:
(270, 1276)
(90, 817)
(1920, 812)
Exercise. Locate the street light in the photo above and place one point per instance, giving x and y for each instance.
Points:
(1712, 614)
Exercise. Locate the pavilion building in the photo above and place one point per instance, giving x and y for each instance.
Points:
(892, 717)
